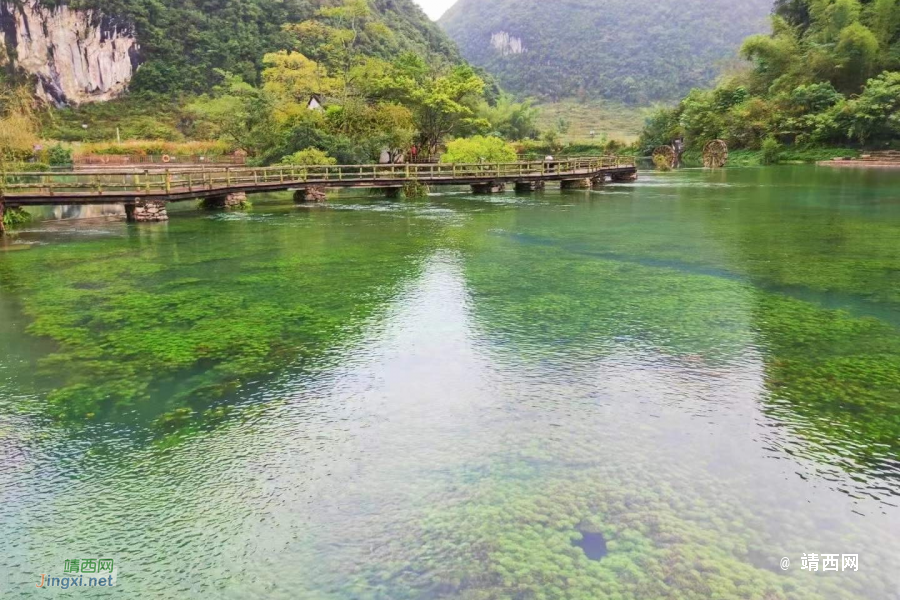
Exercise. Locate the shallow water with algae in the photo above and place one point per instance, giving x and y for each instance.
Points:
(649, 391)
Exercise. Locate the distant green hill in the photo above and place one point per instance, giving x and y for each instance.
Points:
(634, 51)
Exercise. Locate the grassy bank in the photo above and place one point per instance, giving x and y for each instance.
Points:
(613, 120)
(142, 116)
(538, 150)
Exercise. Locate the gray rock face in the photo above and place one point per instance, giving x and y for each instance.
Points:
(77, 56)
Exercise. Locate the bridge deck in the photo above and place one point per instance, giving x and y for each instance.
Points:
(112, 187)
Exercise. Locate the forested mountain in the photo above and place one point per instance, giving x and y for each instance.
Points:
(240, 75)
(182, 42)
(829, 74)
(636, 51)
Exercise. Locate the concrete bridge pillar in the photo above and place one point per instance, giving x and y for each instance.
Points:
(146, 211)
(529, 186)
(575, 184)
(488, 188)
(230, 201)
(310, 195)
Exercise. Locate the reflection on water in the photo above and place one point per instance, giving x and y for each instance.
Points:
(648, 391)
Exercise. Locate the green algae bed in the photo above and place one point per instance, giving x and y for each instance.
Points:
(656, 390)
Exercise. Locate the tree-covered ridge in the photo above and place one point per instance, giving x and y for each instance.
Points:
(636, 51)
(184, 41)
(828, 74)
(373, 102)
(374, 109)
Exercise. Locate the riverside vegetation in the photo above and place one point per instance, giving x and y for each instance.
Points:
(829, 75)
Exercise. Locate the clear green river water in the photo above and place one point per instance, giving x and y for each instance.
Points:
(650, 391)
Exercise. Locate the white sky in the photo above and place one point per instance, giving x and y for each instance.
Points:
(435, 8)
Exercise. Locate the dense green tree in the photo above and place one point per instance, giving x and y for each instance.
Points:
(510, 119)
(440, 100)
(294, 79)
(857, 56)
(876, 112)
(341, 36)
(237, 112)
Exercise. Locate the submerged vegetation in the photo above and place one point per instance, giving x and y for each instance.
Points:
(776, 322)
(512, 534)
(829, 75)
(128, 325)
(832, 369)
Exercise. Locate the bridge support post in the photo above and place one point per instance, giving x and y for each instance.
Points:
(310, 195)
(626, 177)
(231, 201)
(488, 188)
(146, 211)
(529, 186)
(575, 184)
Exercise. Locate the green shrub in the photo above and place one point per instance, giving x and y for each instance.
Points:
(479, 149)
(27, 167)
(15, 216)
(661, 162)
(771, 151)
(309, 157)
(155, 148)
(415, 189)
(59, 155)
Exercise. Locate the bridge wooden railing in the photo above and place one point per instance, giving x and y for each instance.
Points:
(182, 181)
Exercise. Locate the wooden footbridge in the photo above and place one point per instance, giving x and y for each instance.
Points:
(145, 193)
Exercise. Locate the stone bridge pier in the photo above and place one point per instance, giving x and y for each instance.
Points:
(310, 195)
(146, 211)
(624, 177)
(529, 186)
(490, 187)
(230, 201)
(575, 184)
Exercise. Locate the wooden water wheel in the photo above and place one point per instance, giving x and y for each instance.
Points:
(665, 157)
(715, 154)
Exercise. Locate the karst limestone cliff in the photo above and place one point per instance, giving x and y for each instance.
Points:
(76, 56)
